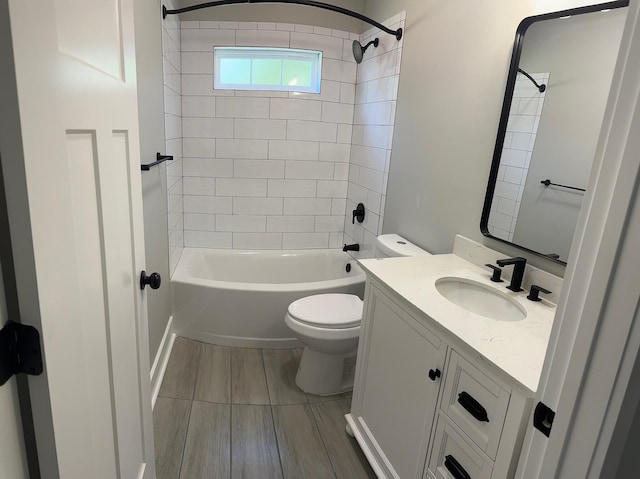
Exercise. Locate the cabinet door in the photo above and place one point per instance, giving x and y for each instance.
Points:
(399, 399)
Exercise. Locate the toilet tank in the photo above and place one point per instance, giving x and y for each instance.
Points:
(390, 245)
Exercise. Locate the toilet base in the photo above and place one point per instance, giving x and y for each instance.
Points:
(325, 374)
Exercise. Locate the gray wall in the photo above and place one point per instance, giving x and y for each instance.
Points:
(148, 28)
(299, 14)
(580, 53)
(454, 68)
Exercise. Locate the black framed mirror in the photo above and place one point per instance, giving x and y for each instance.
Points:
(557, 89)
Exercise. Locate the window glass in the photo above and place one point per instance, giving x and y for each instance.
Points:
(235, 71)
(266, 72)
(296, 72)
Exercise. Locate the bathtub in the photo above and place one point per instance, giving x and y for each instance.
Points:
(239, 298)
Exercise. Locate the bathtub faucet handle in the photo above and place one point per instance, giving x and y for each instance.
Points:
(358, 214)
(351, 247)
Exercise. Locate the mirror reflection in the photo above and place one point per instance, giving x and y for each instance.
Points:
(547, 139)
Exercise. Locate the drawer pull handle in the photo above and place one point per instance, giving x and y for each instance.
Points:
(472, 406)
(434, 374)
(455, 468)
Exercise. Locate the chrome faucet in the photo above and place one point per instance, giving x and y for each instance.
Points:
(518, 271)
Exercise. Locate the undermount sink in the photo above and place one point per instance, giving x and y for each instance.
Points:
(480, 299)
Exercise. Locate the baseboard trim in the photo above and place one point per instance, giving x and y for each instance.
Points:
(239, 342)
(365, 446)
(160, 362)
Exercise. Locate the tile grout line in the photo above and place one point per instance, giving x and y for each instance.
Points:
(273, 421)
(231, 379)
(264, 372)
(230, 440)
(184, 443)
(195, 381)
(315, 423)
(229, 372)
(266, 380)
(275, 434)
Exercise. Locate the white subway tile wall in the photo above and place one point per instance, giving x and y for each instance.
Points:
(266, 170)
(375, 95)
(522, 126)
(278, 170)
(173, 108)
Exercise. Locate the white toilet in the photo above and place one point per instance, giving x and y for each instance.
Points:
(329, 326)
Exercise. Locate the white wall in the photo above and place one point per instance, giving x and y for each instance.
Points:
(302, 15)
(154, 182)
(371, 143)
(263, 169)
(173, 134)
(455, 62)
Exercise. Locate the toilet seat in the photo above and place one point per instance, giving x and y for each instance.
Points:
(331, 311)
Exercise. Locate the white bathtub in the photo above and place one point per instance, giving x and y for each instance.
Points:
(239, 298)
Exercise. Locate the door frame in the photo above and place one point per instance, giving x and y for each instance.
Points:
(590, 361)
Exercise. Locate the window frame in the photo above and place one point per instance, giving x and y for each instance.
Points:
(268, 53)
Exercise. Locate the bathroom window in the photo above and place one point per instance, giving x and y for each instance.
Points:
(280, 69)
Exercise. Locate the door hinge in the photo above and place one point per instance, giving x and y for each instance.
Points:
(543, 418)
(20, 351)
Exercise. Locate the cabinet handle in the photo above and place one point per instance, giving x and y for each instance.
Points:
(434, 374)
(472, 406)
(455, 468)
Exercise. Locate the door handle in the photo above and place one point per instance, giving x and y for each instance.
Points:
(153, 280)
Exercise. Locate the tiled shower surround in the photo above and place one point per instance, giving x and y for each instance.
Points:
(273, 170)
(374, 118)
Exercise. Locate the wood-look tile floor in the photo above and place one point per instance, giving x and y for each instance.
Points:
(237, 413)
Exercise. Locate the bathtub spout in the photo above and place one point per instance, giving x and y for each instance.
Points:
(351, 247)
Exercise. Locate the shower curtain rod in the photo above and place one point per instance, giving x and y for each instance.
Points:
(310, 3)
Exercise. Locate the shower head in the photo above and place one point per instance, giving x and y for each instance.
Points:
(358, 49)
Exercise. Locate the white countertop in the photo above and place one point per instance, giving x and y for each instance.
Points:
(516, 347)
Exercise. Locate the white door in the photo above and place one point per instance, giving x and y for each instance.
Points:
(70, 158)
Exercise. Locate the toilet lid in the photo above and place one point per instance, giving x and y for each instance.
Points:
(328, 310)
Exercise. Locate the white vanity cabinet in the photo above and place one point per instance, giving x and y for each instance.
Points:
(423, 407)
(394, 401)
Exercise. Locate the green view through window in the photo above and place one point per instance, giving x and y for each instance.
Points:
(281, 69)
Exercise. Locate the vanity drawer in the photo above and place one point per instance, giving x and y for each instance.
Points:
(475, 403)
(454, 457)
